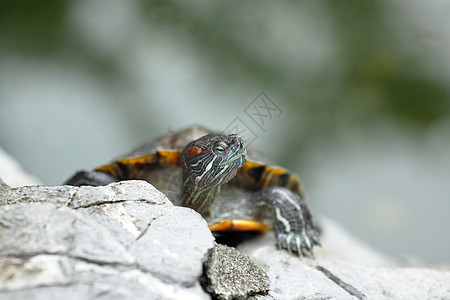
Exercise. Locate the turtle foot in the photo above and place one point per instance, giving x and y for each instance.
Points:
(300, 243)
(293, 223)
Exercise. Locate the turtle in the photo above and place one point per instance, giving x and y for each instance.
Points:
(233, 187)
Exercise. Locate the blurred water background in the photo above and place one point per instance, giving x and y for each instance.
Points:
(362, 89)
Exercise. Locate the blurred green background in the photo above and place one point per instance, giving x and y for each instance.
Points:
(364, 90)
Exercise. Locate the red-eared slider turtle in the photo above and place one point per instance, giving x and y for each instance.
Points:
(234, 189)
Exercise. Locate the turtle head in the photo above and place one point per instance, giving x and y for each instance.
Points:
(212, 160)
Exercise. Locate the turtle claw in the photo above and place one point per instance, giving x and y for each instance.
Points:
(288, 243)
(315, 237)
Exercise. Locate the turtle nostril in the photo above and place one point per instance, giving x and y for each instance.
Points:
(236, 138)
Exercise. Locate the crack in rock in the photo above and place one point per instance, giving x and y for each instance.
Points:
(100, 203)
(146, 229)
(347, 287)
(174, 245)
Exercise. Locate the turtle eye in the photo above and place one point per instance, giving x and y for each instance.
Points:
(220, 149)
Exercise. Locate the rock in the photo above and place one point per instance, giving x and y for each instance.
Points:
(232, 275)
(124, 240)
(61, 277)
(374, 282)
(292, 277)
(12, 173)
(171, 245)
(35, 228)
(86, 196)
(344, 268)
(3, 187)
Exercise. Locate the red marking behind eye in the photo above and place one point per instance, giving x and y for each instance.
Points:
(193, 150)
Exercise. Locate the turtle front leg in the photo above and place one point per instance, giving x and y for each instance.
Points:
(292, 221)
(93, 178)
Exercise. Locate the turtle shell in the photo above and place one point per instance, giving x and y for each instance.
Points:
(158, 162)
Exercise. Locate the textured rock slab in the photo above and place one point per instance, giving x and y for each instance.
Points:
(172, 243)
(392, 282)
(27, 229)
(231, 275)
(85, 196)
(61, 277)
(344, 268)
(293, 278)
(124, 240)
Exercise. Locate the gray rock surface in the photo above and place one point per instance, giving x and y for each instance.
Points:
(124, 240)
(231, 275)
(344, 268)
(174, 246)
